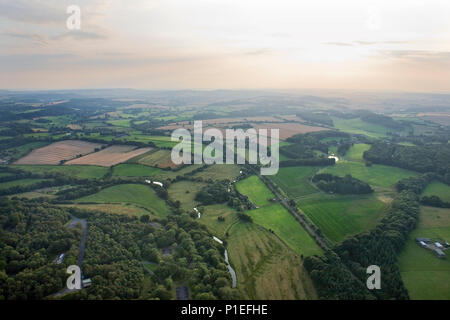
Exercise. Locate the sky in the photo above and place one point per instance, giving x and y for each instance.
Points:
(226, 44)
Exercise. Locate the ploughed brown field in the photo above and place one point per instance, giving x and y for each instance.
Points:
(55, 152)
(110, 156)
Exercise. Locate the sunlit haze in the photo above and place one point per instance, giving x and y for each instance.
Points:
(208, 44)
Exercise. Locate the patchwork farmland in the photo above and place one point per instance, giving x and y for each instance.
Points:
(59, 151)
(110, 156)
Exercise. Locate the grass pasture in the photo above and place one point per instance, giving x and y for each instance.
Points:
(339, 216)
(19, 183)
(136, 194)
(377, 174)
(185, 191)
(78, 171)
(265, 268)
(438, 189)
(286, 227)
(355, 153)
(211, 213)
(294, 181)
(134, 170)
(426, 276)
(256, 190)
(219, 172)
(159, 158)
(357, 126)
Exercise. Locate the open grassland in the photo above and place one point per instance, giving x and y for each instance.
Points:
(357, 126)
(275, 217)
(424, 274)
(355, 153)
(377, 174)
(185, 191)
(19, 183)
(219, 172)
(265, 267)
(159, 158)
(57, 151)
(256, 190)
(171, 174)
(294, 181)
(110, 156)
(438, 189)
(209, 215)
(134, 170)
(78, 171)
(136, 194)
(339, 216)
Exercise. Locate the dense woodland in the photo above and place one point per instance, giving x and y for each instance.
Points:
(33, 234)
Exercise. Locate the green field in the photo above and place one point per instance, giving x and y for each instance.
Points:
(256, 190)
(265, 267)
(78, 171)
(294, 181)
(438, 189)
(219, 172)
(425, 275)
(134, 170)
(209, 215)
(129, 193)
(339, 216)
(20, 182)
(185, 191)
(120, 122)
(377, 174)
(286, 227)
(355, 153)
(159, 158)
(357, 126)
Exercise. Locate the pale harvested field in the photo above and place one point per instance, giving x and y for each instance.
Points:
(55, 152)
(110, 156)
(287, 129)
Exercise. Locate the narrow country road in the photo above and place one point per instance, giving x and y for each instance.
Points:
(319, 240)
(70, 225)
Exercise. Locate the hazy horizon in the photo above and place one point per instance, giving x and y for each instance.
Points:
(212, 45)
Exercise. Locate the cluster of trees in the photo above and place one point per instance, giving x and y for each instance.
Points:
(322, 118)
(341, 273)
(415, 184)
(343, 147)
(343, 185)
(426, 158)
(382, 120)
(32, 235)
(117, 244)
(434, 201)
(213, 193)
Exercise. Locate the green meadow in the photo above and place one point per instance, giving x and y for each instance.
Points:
(130, 193)
(376, 174)
(275, 217)
(438, 189)
(134, 170)
(424, 274)
(256, 190)
(294, 181)
(339, 216)
(78, 171)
